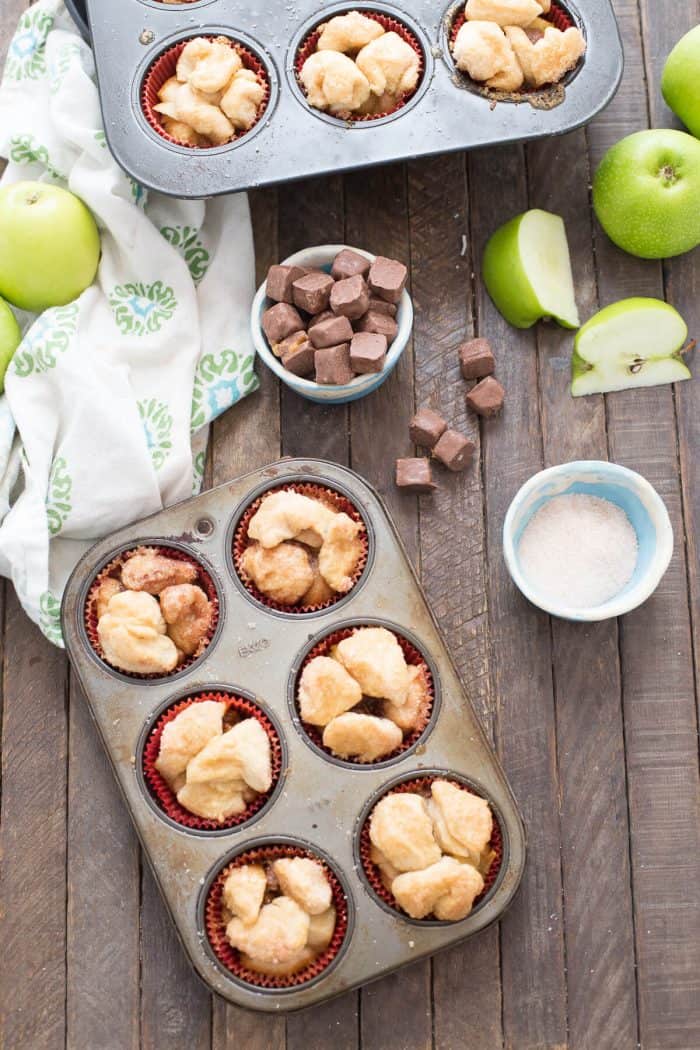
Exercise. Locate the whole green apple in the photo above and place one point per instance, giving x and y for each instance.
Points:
(527, 270)
(680, 81)
(646, 193)
(10, 338)
(49, 246)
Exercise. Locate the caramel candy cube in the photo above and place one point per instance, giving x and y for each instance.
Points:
(414, 475)
(300, 360)
(331, 332)
(349, 264)
(312, 292)
(350, 297)
(387, 279)
(487, 397)
(454, 450)
(280, 280)
(476, 359)
(333, 365)
(279, 321)
(426, 428)
(323, 316)
(290, 343)
(367, 352)
(381, 324)
(380, 307)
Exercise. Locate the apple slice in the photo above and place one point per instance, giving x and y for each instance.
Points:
(634, 342)
(527, 270)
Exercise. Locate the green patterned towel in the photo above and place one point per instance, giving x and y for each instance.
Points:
(108, 400)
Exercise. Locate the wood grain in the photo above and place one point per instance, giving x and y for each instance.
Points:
(102, 951)
(396, 1012)
(241, 442)
(598, 923)
(33, 838)
(656, 659)
(532, 936)
(452, 539)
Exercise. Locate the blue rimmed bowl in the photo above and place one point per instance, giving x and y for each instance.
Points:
(632, 493)
(321, 257)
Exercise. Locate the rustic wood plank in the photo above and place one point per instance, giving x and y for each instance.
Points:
(532, 948)
(657, 664)
(9, 16)
(245, 439)
(682, 286)
(175, 1005)
(103, 885)
(466, 979)
(311, 212)
(656, 659)
(395, 1012)
(598, 920)
(33, 837)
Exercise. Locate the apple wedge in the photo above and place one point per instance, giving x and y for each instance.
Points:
(632, 343)
(527, 270)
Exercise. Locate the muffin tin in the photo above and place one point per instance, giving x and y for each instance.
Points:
(319, 802)
(292, 140)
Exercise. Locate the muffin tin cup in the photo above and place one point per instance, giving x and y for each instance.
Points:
(390, 25)
(413, 657)
(240, 542)
(164, 67)
(421, 784)
(230, 957)
(318, 803)
(161, 792)
(550, 94)
(204, 580)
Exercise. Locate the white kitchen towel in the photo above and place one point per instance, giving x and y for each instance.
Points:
(108, 399)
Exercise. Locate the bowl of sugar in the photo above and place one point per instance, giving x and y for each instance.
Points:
(587, 540)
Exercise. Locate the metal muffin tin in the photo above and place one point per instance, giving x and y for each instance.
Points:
(292, 140)
(320, 802)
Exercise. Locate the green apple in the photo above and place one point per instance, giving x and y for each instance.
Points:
(680, 80)
(527, 270)
(49, 246)
(10, 338)
(646, 193)
(634, 342)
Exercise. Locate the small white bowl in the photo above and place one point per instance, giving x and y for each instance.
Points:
(630, 491)
(322, 258)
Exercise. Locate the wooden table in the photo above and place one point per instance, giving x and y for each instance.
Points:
(596, 725)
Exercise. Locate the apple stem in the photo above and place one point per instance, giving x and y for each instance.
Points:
(691, 346)
(33, 198)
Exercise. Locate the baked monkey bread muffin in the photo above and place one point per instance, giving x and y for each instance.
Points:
(151, 612)
(300, 549)
(513, 45)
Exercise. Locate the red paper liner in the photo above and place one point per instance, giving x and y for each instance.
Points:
(391, 25)
(204, 580)
(163, 793)
(372, 871)
(164, 67)
(412, 656)
(557, 15)
(326, 495)
(230, 957)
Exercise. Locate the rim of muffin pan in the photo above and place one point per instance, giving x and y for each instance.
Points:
(309, 27)
(550, 93)
(234, 824)
(268, 605)
(401, 753)
(135, 678)
(421, 774)
(301, 847)
(246, 44)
